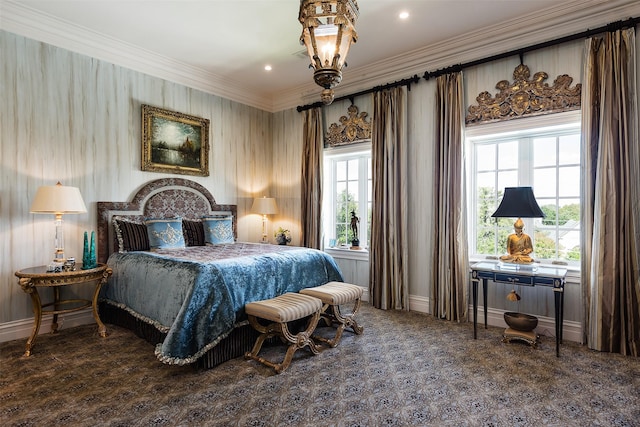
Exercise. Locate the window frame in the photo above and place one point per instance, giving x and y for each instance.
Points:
(331, 155)
(519, 128)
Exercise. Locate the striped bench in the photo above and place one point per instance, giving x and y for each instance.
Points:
(279, 311)
(333, 294)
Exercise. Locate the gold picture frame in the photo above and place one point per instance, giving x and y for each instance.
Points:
(174, 142)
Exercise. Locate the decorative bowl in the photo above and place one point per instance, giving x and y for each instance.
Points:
(520, 321)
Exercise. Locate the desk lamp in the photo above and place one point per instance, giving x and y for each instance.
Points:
(519, 202)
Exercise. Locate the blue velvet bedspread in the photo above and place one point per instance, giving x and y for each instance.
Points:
(199, 302)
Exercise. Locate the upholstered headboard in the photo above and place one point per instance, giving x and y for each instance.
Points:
(162, 198)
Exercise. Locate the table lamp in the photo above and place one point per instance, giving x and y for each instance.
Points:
(58, 200)
(264, 206)
(518, 202)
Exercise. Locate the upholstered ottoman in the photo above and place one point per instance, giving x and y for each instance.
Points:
(279, 311)
(333, 294)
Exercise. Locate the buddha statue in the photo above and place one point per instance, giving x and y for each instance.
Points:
(519, 246)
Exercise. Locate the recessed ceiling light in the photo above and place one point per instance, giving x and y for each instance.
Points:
(403, 15)
(267, 67)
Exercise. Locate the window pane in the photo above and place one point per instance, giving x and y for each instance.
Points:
(569, 147)
(486, 180)
(353, 191)
(353, 169)
(486, 157)
(508, 155)
(544, 151)
(341, 171)
(544, 182)
(569, 213)
(569, 180)
(549, 208)
(545, 244)
(569, 248)
(485, 244)
(486, 206)
(507, 179)
(341, 192)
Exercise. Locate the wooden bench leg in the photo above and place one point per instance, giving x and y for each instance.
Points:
(343, 322)
(297, 341)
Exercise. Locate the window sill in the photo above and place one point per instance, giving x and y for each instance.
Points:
(346, 253)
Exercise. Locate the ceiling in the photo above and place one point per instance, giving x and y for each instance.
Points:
(221, 47)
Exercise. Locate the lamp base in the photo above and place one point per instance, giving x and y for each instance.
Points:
(513, 266)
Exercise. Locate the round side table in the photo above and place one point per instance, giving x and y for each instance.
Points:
(30, 279)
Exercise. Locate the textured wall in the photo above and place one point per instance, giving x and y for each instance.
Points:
(71, 118)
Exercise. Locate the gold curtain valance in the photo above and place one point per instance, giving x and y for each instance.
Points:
(354, 128)
(525, 97)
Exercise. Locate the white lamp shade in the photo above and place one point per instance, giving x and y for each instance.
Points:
(58, 199)
(264, 206)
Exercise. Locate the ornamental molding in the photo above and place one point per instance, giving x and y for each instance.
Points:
(352, 129)
(525, 97)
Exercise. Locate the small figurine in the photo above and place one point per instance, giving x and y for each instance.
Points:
(355, 241)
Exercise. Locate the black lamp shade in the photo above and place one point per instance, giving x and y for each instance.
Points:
(518, 202)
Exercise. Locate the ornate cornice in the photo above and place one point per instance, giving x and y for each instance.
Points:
(525, 97)
(354, 128)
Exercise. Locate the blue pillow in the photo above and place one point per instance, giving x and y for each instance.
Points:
(165, 233)
(218, 229)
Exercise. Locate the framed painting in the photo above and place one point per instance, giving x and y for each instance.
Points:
(174, 142)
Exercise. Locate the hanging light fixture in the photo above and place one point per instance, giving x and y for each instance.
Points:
(328, 30)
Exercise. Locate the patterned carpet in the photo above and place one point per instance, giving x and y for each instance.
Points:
(408, 369)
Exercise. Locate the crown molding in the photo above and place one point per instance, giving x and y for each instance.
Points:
(567, 18)
(28, 22)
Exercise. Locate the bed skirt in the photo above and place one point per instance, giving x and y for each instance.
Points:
(236, 344)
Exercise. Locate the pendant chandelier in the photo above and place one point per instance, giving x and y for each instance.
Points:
(328, 30)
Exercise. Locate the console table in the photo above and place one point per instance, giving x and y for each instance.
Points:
(519, 274)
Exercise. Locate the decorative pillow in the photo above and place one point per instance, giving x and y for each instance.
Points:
(165, 233)
(131, 236)
(218, 229)
(193, 232)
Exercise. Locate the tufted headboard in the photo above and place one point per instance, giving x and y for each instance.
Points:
(161, 198)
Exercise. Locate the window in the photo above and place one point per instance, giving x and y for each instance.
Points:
(548, 160)
(347, 188)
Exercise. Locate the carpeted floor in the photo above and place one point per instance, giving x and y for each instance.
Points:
(408, 369)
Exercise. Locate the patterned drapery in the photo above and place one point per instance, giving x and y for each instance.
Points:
(450, 276)
(388, 283)
(611, 195)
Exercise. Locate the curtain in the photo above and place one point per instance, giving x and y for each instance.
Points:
(610, 195)
(312, 179)
(450, 276)
(388, 284)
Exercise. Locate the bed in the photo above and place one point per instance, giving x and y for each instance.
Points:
(186, 292)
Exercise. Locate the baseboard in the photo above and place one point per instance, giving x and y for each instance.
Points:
(572, 331)
(20, 329)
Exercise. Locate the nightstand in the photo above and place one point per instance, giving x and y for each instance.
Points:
(30, 279)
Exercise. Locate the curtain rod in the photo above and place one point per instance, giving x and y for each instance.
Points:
(403, 82)
(614, 26)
